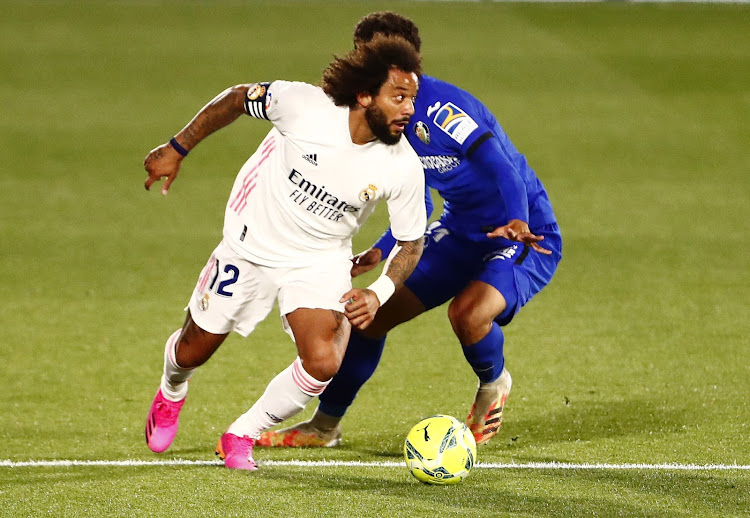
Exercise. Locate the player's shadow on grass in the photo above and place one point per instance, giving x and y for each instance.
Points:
(586, 419)
(206, 452)
(408, 497)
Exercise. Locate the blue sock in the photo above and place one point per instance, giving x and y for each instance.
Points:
(360, 361)
(486, 356)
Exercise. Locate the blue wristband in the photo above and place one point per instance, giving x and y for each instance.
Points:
(177, 147)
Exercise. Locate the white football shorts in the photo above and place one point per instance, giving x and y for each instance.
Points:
(234, 294)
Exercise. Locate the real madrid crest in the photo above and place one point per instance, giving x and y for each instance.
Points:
(422, 131)
(368, 193)
(204, 303)
(255, 91)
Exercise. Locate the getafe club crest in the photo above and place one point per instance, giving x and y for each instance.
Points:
(422, 131)
(368, 193)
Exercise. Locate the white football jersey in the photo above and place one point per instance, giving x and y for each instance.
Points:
(307, 189)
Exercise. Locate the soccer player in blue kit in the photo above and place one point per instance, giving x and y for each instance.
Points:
(495, 246)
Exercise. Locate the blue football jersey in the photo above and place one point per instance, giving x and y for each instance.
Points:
(450, 125)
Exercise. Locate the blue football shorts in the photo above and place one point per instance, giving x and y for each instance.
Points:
(449, 262)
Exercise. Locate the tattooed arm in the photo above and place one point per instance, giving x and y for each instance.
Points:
(402, 261)
(164, 161)
(362, 304)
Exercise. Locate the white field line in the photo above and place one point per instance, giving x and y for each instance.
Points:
(332, 463)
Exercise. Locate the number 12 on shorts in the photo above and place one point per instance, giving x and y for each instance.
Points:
(233, 273)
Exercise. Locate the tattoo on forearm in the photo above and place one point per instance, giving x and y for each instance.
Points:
(404, 262)
(223, 109)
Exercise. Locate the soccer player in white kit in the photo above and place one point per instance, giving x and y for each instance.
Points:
(333, 153)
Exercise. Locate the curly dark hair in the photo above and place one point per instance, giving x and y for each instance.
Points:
(365, 69)
(388, 23)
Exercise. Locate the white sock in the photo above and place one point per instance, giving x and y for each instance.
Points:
(285, 396)
(174, 381)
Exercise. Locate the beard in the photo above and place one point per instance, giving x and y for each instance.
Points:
(379, 126)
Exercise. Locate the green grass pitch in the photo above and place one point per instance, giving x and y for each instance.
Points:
(637, 119)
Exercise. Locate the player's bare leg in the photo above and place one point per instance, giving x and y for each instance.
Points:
(472, 315)
(186, 349)
(196, 345)
(323, 430)
(321, 337)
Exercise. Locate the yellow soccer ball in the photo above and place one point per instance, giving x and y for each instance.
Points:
(440, 450)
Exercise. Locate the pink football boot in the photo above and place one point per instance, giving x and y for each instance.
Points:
(162, 422)
(236, 451)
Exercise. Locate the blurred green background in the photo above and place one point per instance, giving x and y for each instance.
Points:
(635, 116)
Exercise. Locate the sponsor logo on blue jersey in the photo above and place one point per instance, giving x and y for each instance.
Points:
(455, 122)
(441, 164)
(505, 253)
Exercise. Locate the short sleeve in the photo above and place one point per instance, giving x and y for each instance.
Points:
(280, 102)
(406, 205)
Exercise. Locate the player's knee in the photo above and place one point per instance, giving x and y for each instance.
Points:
(322, 367)
(465, 319)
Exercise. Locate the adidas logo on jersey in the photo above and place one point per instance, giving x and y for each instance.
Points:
(312, 158)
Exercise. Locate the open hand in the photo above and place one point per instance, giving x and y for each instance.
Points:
(517, 230)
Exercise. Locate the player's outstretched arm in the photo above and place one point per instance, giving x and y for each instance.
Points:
(362, 304)
(517, 230)
(164, 161)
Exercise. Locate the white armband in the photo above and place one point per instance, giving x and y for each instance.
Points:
(383, 285)
(383, 288)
